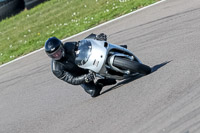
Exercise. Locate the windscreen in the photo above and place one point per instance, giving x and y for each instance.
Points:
(83, 53)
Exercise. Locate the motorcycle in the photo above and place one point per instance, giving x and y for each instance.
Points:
(108, 60)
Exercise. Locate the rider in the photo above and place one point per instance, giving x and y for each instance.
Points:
(63, 65)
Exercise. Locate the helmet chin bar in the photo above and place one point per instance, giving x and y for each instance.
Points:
(58, 54)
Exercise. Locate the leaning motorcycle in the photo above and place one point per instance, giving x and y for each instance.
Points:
(108, 60)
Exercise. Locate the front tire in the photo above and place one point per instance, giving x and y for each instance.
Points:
(133, 66)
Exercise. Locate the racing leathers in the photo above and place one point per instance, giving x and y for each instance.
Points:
(66, 69)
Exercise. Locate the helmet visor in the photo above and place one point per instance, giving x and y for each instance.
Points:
(57, 55)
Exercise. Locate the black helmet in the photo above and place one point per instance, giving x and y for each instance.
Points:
(54, 48)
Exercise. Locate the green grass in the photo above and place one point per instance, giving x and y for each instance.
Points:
(29, 30)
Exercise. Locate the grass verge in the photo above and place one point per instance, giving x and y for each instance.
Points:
(28, 31)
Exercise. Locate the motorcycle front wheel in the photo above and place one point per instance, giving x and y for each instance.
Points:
(133, 66)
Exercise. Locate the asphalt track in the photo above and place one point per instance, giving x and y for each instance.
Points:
(165, 37)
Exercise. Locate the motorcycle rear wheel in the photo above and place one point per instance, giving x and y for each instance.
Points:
(133, 66)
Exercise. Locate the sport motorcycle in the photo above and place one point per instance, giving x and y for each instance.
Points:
(108, 60)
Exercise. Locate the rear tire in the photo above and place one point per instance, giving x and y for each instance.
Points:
(133, 66)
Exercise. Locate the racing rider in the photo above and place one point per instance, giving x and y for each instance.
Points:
(63, 65)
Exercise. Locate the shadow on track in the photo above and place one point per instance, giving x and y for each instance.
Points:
(156, 67)
(126, 81)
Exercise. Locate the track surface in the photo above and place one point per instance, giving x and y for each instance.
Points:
(165, 37)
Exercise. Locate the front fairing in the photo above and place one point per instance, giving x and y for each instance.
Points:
(92, 56)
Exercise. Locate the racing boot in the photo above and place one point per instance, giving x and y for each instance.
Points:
(97, 91)
(92, 89)
(94, 92)
(100, 84)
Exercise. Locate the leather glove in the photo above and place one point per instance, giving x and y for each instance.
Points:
(102, 37)
(89, 77)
